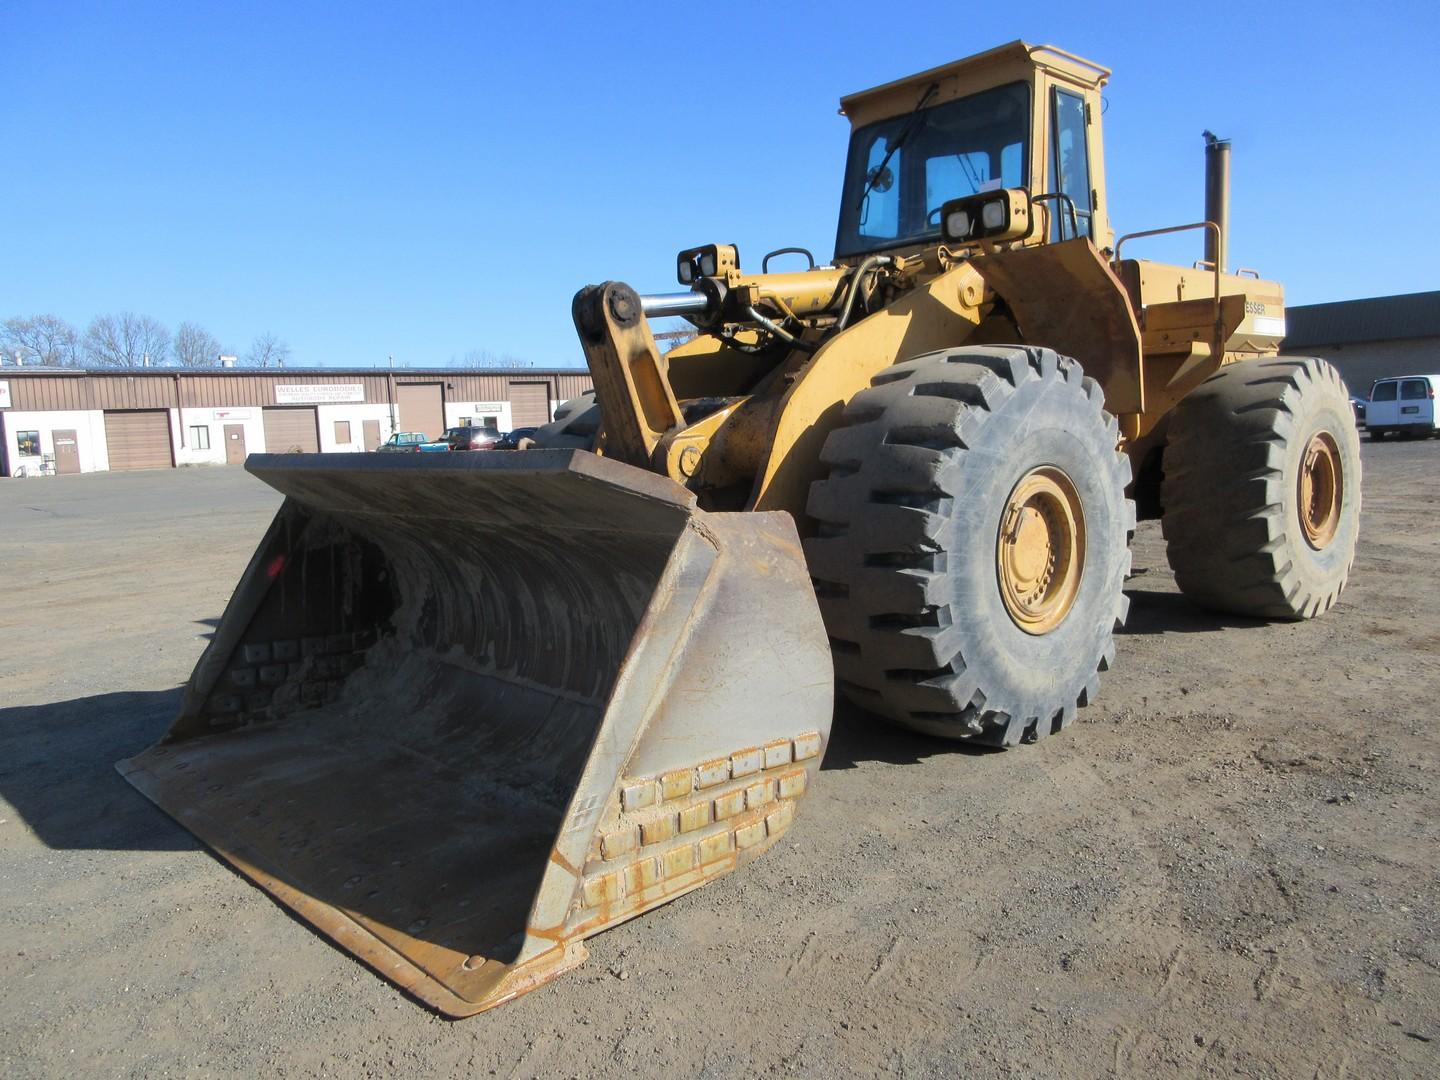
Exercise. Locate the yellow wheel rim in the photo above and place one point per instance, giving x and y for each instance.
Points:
(1321, 490)
(1040, 550)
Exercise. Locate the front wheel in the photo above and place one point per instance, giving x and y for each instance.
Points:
(973, 539)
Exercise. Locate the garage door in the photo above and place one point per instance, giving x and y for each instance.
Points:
(288, 431)
(138, 440)
(529, 404)
(422, 408)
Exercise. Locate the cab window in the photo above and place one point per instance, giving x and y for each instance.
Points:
(1384, 391)
(901, 170)
(880, 209)
(1070, 171)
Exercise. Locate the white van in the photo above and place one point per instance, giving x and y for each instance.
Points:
(1405, 405)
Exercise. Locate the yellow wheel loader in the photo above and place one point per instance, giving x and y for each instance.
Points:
(465, 710)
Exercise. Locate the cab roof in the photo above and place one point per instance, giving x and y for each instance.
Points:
(976, 72)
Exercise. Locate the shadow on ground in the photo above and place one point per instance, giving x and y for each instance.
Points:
(857, 736)
(57, 770)
(1155, 612)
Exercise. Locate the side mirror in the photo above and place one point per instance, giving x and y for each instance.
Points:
(989, 215)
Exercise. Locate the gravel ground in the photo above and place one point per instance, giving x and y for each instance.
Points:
(1227, 867)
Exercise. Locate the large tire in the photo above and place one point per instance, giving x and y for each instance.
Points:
(575, 427)
(1239, 535)
(908, 560)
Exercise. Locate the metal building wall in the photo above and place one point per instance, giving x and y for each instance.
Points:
(212, 388)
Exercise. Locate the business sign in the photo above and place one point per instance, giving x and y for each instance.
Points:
(4, 395)
(232, 414)
(319, 393)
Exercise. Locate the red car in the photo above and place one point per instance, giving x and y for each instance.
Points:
(472, 438)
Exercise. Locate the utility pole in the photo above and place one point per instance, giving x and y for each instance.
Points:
(390, 386)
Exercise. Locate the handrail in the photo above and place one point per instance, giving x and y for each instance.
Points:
(1175, 229)
(1060, 196)
(765, 262)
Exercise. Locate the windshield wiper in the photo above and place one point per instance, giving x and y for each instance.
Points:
(905, 132)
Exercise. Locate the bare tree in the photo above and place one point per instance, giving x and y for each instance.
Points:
(484, 358)
(671, 333)
(42, 339)
(195, 346)
(126, 340)
(267, 350)
(673, 339)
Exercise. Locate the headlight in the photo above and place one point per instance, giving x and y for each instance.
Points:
(708, 261)
(992, 216)
(957, 224)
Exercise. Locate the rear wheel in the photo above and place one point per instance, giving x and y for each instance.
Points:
(1262, 489)
(973, 541)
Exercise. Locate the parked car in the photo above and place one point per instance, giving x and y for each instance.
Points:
(511, 439)
(403, 442)
(472, 438)
(1357, 404)
(1403, 406)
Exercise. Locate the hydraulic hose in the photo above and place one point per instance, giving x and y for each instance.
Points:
(778, 330)
(870, 263)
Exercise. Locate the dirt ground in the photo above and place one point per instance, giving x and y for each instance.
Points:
(1228, 866)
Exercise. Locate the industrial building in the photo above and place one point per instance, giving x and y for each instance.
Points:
(68, 420)
(1369, 339)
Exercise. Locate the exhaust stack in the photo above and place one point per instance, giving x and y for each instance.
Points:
(1217, 199)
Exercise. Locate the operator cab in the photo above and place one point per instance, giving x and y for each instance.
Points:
(971, 128)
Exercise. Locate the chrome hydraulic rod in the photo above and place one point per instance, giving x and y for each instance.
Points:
(662, 305)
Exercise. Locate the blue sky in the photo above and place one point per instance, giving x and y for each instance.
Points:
(424, 180)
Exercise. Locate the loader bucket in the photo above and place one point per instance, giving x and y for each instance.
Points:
(464, 710)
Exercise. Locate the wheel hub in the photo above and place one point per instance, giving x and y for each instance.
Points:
(1040, 550)
(1321, 490)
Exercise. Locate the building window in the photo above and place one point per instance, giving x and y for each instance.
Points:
(490, 421)
(465, 421)
(200, 437)
(29, 443)
(342, 432)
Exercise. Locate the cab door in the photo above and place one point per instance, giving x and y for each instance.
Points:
(1384, 408)
(1070, 165)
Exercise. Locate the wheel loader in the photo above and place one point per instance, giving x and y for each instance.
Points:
(464, 711)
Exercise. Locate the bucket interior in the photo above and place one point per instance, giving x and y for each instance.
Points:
(402, 696)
